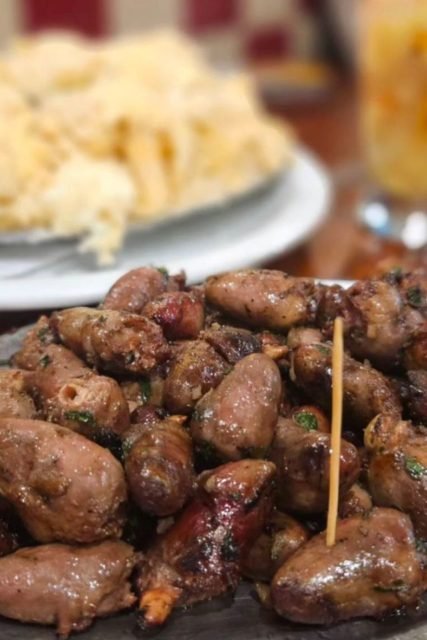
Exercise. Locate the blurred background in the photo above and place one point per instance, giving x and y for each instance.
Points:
(303, 55)
(233, 31)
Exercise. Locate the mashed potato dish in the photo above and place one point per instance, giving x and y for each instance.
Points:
(97, 136)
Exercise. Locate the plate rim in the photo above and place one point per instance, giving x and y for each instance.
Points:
(55, 291)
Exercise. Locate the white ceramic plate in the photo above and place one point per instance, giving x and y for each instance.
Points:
(245, 233)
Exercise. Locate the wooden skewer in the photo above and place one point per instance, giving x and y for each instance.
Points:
(337, 401)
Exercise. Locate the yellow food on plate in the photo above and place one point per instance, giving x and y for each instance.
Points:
(97, 136)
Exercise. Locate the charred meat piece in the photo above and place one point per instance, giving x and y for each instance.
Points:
(232, 343)
(281, 537)
(68, 393)
(159, 466)
(113, 341)
(264, 298)
(372, 570)
(63, 486)
(237, 419)
(195, 369)
(357, 501)
(136, 288)
(66, 586)
(14, 397)
(367, 392)
(199, 557)
(302, 458)
(398, 468)
(180, 314)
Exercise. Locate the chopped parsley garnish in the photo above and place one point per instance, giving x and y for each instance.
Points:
(44, 361)
(145, 390)
(163, 271)
(397, 585)
(229, 548)
(306, 420)
(421, 545)
(323, 349)
(414, 468)
(415, 297)
(130, 358)
(85, 417)
(42, 334)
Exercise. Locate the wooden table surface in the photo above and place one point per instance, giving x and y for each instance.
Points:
(339, 249)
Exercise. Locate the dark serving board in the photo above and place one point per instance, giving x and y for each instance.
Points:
(230, 618)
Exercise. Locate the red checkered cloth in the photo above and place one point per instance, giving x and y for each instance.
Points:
(233, 30)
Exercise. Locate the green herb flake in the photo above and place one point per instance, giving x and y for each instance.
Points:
(395, 273)
(145, 390)
(421, 545)
(415, 297)
(323, 349)
(306, 420)
(163, 271)
(85, 417)
(396, 586)
(42, 334)
(229, 548)
(414, 468)
(130, 358)
(44, 361)
(127, 446)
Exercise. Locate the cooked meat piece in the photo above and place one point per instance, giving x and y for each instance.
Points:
(302, 459)
(136, 288)
(68, 393)
(415, 352)
(383, 320)
(311, 418)
(356, 501)
(378, 320)
(113, 341)
(232, 343)
(334, 301)
(281, 537)
(380, 316)
(398, 468)
(159, 466)
(14, 398)
(367, 392)
(180, 314)
(63, 486)
(199, 557)
(195, 369)
(302, 335)
(237, 419)
(414, 395)
(264, 298)
(372, 570)
(66, 586)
